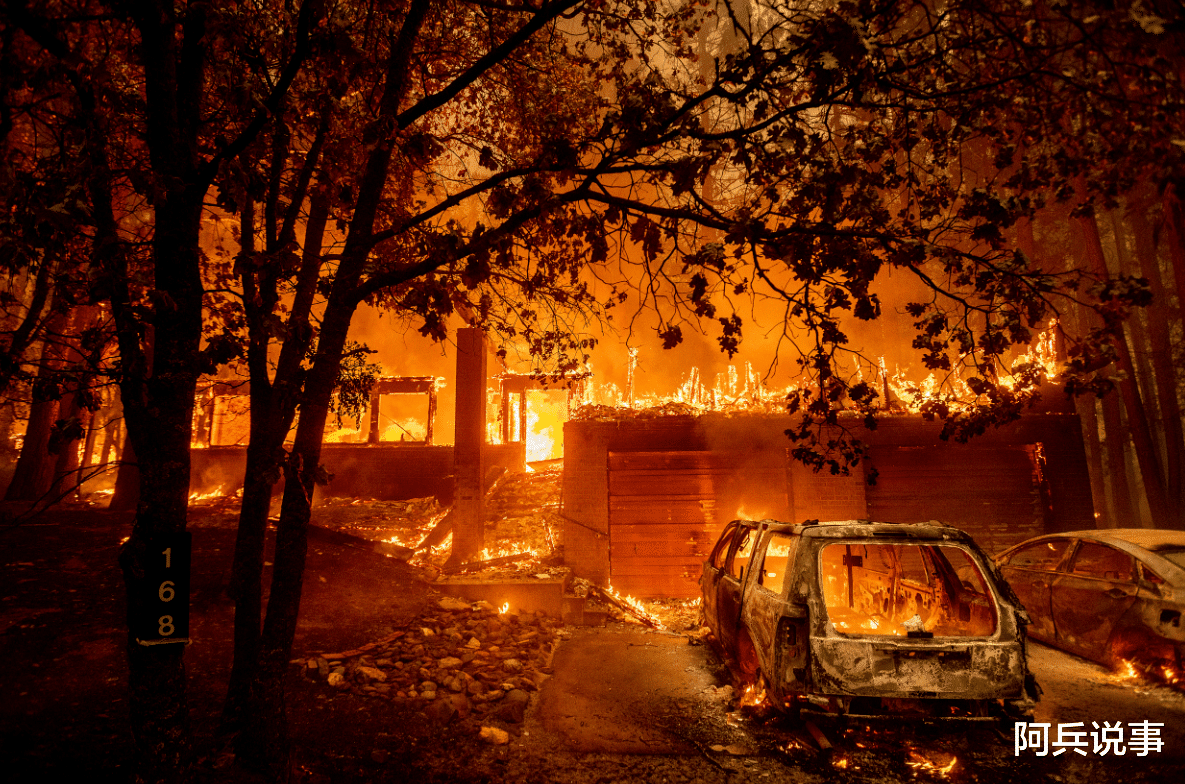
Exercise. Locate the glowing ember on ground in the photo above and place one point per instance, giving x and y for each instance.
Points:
(1127, 671)
(943, 766)
(215, 493)
(840, 762)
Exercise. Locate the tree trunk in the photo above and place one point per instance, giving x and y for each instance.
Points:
(273, 408)
(1137, 417)
(34, 473)
(1174, 237)
(159, 372)
(126, 496)
(1163, 367)
(264, 741)
(1124, 514)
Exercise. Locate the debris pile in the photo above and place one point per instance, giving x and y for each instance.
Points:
(454, 660)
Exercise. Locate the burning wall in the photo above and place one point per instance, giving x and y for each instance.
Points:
(644, 499)
(387, 472)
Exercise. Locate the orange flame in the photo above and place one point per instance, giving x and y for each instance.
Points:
(919, 762)
(205, 496)
(753, 696)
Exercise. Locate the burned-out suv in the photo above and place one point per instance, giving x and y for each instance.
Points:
(869, 619)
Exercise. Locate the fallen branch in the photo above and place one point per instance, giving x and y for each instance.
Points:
(641, 615)
(370, 646)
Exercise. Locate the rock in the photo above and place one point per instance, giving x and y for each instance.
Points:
(461, 704)
(453, 604)
(337, 680)
(513, 707)
(494, 736)
(427, 633)
(428, 686)
(456, 685)
(428, 695)
(512, 665)
(476, 687)
(485, 606)
(372, 674)
(322, 667)
(473, 643)
(494, 696)
(441, 711)
(449, 663)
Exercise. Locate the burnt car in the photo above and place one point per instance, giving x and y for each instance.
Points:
(868, 619)
(1111, 595)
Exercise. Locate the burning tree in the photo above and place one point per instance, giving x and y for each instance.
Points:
(472, 158)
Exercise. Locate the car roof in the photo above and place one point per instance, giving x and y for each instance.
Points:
(1143, 543)
(835, 529)
(1149, 538)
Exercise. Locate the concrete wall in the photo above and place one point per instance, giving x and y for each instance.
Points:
(384, 471)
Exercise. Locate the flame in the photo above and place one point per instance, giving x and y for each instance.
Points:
(205, 496)
(546, 413)
(840, 762)
(636, 606)
(345, 435)
(1127, 671)
(732, 391)
(919, 762)
(505, 608)
(413, 430)
(745, 514)
(509, 551)
(753, 696)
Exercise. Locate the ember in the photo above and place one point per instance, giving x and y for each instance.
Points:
(215, 493)
(920, 763)
(753, 696)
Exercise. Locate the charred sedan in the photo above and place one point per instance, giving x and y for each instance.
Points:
(1112, 595)
(868, 619)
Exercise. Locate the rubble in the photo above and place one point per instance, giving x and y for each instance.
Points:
(454, 660)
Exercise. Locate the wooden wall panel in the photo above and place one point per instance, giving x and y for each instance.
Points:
(995, 493)
(667, 508)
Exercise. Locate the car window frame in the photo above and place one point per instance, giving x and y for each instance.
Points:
(729, 534)
(791, 558)
(732, 551)
(1059, 567)
(1067, 564)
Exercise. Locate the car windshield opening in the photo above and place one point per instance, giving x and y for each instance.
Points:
(905, 590)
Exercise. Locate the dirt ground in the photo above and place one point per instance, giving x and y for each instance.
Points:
(619, 703)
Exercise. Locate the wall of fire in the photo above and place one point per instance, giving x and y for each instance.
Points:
(644, 499)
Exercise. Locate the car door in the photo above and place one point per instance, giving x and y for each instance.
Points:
(1030, 571)
(730, 589)
(1090, 596)
(765, 594)
(713, 570)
